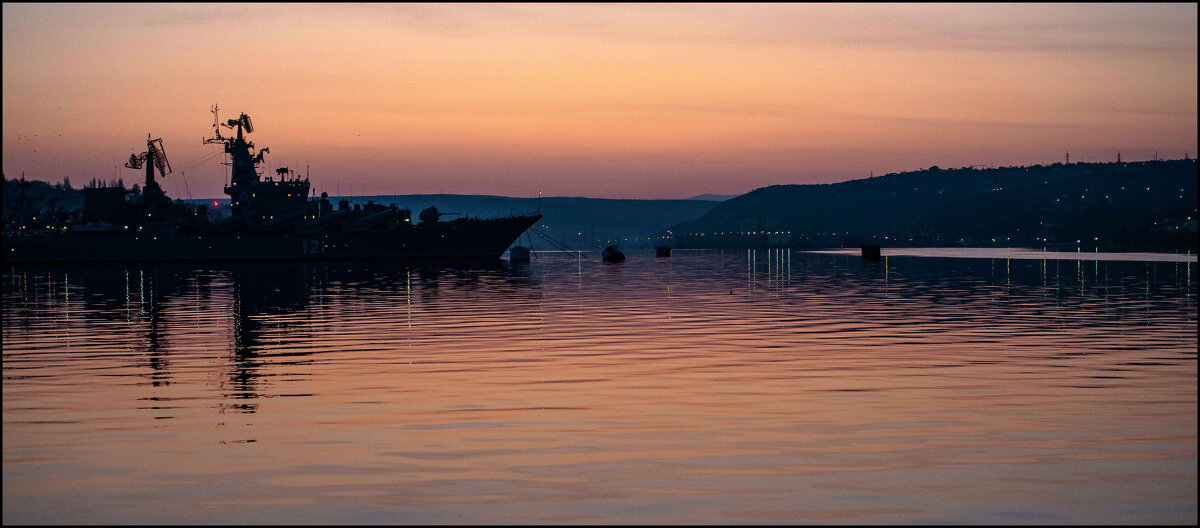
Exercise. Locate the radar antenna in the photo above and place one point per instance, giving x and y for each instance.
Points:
(243, 120)
(155, 155)
(160, 156)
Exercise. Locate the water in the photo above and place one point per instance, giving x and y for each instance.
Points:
(708, 387)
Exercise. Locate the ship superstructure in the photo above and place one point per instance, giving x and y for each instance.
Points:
(260, 202)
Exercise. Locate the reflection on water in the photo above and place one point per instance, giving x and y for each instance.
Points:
(708, 387)
(1024, 254)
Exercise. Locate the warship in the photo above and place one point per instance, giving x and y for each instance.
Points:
(268, 217)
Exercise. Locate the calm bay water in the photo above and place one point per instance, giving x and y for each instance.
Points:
(708, 387)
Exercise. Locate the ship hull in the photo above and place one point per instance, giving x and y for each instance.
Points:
(466, 239)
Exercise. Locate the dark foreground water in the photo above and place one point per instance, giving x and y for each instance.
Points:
(708, 387)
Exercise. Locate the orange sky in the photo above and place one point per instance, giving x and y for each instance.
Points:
(607, 101)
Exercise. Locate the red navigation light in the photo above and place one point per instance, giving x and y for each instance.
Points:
(215, 203)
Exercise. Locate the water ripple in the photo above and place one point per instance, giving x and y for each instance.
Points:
(755, 386)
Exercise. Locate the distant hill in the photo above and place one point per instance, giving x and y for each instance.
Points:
(714, 197)
(1139, 205)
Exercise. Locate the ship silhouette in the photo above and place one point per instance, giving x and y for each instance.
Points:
(269, 218)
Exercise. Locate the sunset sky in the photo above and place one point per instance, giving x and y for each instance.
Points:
(605, 101)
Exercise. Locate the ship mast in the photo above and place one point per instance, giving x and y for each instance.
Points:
(244, 174)
(264, 204)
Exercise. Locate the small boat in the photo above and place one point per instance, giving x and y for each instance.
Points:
(612, 254)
